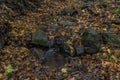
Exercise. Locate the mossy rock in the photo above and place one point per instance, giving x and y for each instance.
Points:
(110, 39)
(91, 41)
(40, 38)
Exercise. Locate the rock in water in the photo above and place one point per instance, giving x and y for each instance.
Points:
(110, 39)
(91, 41)
(40, 38)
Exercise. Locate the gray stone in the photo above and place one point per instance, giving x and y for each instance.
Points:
(40, 38)
(91, 41)
(110, 39)
(67, 50)
(79, 50)
(66, 23)
(53, 58)
(64, 49)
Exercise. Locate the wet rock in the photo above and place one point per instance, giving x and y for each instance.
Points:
(66, 23)
(40, 38)
(79, 50)
(68, 12)
(50, 53)
(91, 41)
(51, 43)
(53, 58)
(117, 21)
(67, 50)
(39, 54)
(2, 42)
(59, 41)
(110, 39)
(64, 49)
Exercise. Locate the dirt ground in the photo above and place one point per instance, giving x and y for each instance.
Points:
(104, 65)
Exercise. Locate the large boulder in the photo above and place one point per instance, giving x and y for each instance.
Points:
(91, 41)
(40, 38)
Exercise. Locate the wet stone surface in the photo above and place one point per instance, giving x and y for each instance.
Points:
(40, 38)
(66, 23)
(110, 39)
(38, 61)
(91, 41)
(79, 50)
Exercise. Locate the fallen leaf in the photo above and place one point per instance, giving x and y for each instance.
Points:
(1, 75)
(69, 42)
(73, 78)
(64, 70)
(109, 51)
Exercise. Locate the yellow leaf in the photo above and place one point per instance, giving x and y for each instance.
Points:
(71, 49)
(109, 51)
(69, 42)
(1, 75)
(64, 70)
(72, 78)
(80, 62)
(113, 57)
(36, 65)
(36, 79)
(76, 30)
(22, 31)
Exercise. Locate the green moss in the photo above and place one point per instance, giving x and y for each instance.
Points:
(117, 11)
(40, 38)
(9, 70)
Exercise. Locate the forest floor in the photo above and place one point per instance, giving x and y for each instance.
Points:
(17, 63)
